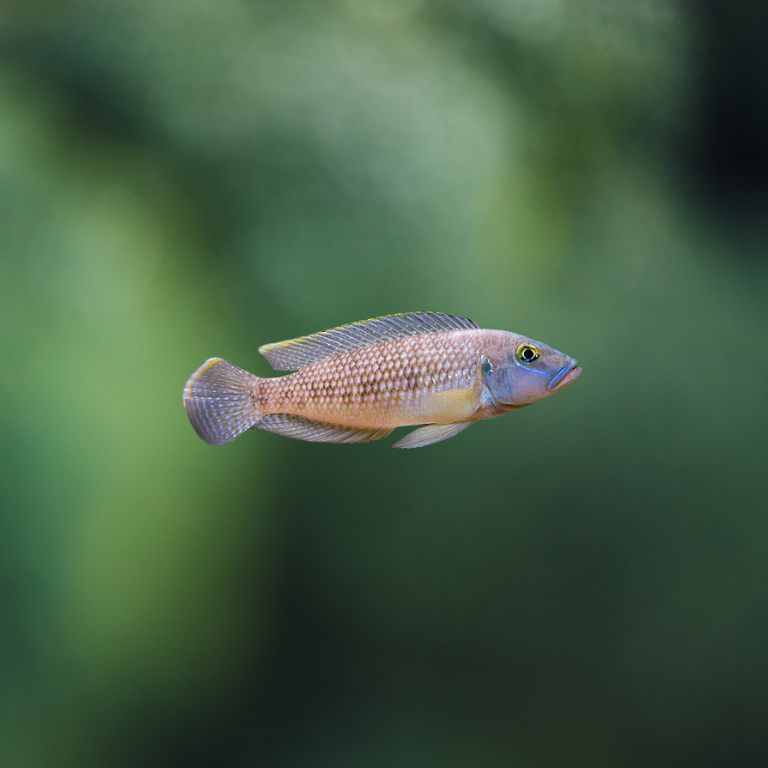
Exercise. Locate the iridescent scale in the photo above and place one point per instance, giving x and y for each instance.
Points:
(382, 385)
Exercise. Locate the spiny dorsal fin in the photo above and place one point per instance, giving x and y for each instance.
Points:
(433, 433)
(299, 428)
(296, 353)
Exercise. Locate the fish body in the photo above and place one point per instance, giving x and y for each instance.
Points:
(358, 382)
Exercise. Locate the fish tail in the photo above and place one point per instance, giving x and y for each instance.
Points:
(220, 402)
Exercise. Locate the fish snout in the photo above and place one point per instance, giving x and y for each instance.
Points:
(565, 376)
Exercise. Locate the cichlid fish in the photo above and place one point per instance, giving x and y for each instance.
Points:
(356, 383)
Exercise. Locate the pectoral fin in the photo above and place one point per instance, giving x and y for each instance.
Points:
(451, 405)
(433, 433)
(300, 428)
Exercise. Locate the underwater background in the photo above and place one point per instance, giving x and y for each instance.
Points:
(582, 583)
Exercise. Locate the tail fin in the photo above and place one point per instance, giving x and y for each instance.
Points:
(219, 401)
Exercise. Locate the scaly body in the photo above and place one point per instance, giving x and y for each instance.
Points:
(358, 382)
(392, 384)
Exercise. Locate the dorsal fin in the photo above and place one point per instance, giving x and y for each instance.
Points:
(296, 353)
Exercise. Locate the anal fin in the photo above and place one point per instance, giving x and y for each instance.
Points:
(432, 433)
(299, 428)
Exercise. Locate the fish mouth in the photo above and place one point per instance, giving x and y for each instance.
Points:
(565, 376)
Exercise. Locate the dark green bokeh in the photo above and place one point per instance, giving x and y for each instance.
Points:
(582, 583)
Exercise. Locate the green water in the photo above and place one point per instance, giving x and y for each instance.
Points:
(581, 583)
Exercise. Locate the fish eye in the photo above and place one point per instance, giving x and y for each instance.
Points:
(486, 367)
(527, 353)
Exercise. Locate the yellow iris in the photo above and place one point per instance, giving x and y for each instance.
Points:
(527, 353)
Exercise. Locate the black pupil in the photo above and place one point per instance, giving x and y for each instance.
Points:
(528, 355)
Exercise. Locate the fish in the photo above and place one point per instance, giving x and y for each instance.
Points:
(358, 382)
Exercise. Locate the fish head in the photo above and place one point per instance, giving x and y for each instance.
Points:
(519, 371)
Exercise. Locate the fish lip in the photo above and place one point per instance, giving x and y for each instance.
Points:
(565, 376)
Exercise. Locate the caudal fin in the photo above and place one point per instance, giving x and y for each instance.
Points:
(219, 401)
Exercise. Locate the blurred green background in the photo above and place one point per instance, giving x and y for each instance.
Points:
(583, 583)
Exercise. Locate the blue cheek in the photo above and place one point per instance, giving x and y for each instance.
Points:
(532, 383)
(518, 383)
(525, 369)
